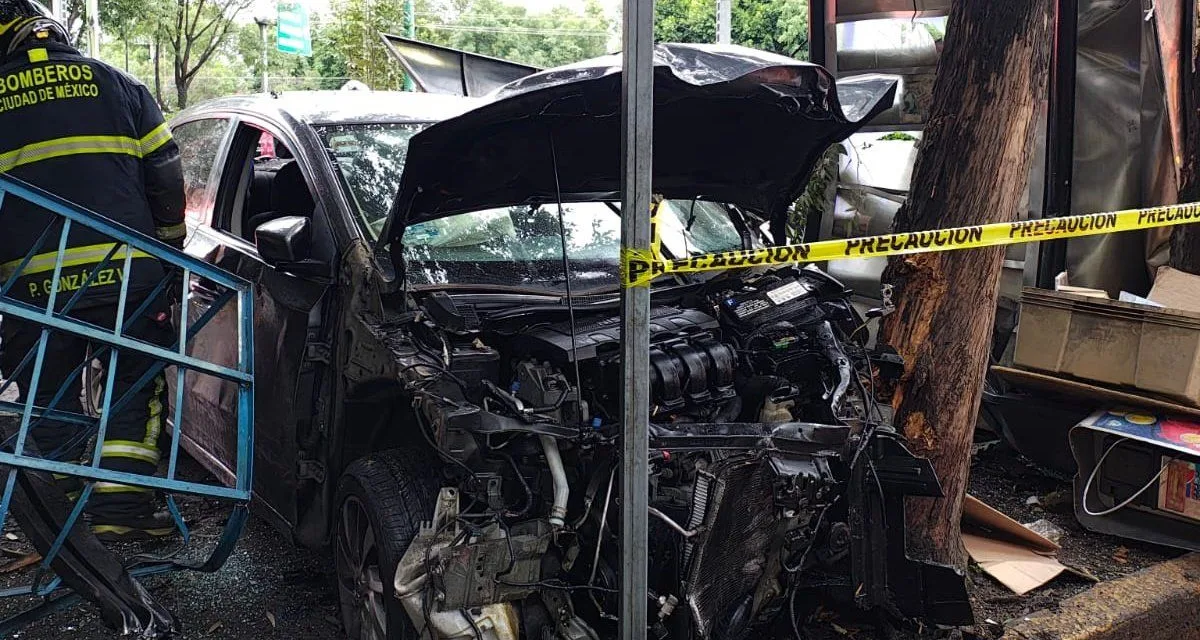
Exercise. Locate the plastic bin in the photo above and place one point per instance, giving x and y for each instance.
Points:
(1111, 342)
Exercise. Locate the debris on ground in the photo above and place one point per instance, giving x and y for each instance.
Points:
(1046, 529)
(1003, 480)
(1137, 474)
(21, 562)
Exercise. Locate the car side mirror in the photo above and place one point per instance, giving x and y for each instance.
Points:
(284, 241)
(286, 244)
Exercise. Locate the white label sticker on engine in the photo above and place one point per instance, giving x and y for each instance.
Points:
(789, 291)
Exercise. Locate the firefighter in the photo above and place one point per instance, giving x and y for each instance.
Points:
(94, 136)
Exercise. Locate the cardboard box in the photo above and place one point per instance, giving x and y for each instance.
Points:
(1176, 290)
(1116, 343)
(1179, 488)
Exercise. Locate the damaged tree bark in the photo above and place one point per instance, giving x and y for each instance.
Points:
(972, 169)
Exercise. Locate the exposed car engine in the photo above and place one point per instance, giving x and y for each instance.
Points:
(774, 473)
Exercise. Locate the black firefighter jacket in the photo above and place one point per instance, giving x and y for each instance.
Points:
(92, 135)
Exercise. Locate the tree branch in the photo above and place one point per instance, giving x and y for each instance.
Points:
(182, 12)
(215, 20)
(213, 45)
(191, 38)
(177, 37)
(199, 9)
(226, 20)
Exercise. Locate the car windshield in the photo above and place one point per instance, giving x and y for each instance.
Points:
(521, 246)
(514, 246)
(371, 160)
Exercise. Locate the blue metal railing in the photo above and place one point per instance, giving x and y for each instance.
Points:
(107, 346)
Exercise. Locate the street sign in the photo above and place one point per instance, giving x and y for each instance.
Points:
(293, 34)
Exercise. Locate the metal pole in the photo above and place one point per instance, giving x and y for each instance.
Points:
(637, 124)
(266, 76)
(816, 32)
(410, 31)
(821, 14)
(1060, 138)
(724, 21)
(92, 9)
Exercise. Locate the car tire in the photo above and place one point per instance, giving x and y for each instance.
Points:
(381, 501)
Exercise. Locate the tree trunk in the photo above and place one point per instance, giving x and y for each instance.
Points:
(181, 82)
(1185, 239)
(972, 168)
(158, 70)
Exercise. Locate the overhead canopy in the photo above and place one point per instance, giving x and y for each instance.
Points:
(732, 124)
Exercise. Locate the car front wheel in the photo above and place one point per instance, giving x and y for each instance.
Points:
(381, 502)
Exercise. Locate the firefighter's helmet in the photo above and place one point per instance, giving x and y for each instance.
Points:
(24, 20)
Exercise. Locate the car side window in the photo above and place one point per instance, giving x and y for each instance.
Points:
(273, 185)
(199, 146)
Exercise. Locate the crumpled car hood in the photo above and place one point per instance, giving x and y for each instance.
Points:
(731, 124)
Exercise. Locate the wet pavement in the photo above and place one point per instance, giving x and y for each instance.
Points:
(268, 589)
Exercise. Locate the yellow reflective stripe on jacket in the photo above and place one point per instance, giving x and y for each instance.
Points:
(72, 257)
(11, 24)
(69, 146)
(121, 530)
(113, 487)
(171, 232)
(155, 139)
(129, 449)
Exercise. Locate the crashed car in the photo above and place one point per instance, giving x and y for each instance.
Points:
(439, 359)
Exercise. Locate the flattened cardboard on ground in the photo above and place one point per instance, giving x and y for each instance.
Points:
(1010, 552)
(1019, 568)
(980, 515)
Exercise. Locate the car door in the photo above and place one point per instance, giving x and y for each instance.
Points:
(283, 306)
(203, 145)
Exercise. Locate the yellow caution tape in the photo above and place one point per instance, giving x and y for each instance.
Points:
(639, 268)
(655, 238)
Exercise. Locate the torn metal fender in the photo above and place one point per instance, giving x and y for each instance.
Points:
(883, 574)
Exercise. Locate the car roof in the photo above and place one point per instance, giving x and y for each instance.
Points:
(341, 107)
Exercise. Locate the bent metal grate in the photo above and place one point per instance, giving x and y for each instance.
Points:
(73, 559)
